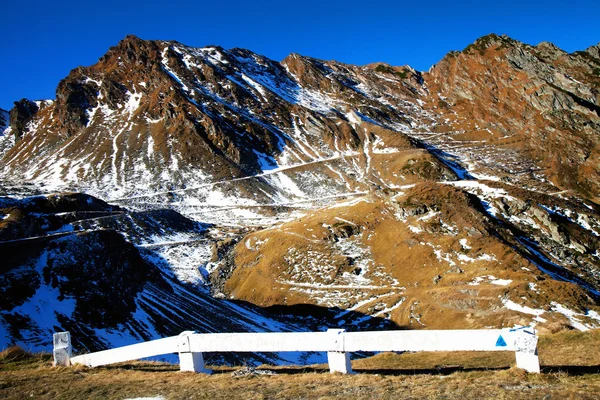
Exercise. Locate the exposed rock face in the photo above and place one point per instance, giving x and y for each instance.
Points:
(21, 114)
(537, 103)
(594, 51)
(377, 195)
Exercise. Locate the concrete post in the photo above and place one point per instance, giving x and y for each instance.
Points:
(189, 361)
(526, 350)
(62, 349)
(337, 358)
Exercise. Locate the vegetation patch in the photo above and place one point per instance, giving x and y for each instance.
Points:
(386, 69)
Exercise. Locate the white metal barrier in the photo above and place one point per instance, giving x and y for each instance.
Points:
(336, 342)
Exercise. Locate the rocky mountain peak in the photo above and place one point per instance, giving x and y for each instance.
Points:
(549, 51)
(594, 51)
(493, 41)
(498, 45)
(308, 70)
(22, 113)
(132, 49)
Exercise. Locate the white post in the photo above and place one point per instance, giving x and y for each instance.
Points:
(526, 350)
(337, 358)
(189, 361)
(62, 349)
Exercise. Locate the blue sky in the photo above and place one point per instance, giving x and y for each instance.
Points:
(41, 41)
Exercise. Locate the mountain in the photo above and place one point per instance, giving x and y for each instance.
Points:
(535, 108)
(375, 195)
(184, 122)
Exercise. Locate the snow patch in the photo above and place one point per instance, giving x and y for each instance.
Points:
(491, 279)
(575, 318)
(511, 305)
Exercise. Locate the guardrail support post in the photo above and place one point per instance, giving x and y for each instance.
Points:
(526, 350)
(190, 361)
(337, 358)
(62, 349)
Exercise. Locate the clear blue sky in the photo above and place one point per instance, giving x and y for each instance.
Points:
(41, 41)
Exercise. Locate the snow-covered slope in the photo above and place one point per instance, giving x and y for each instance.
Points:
(115, 277)
(158, 123)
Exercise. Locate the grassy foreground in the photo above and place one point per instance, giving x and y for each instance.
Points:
(570, 370)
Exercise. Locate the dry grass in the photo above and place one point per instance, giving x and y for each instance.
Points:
(571, 364)
(439, 294)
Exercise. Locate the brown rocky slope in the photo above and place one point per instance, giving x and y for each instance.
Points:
(537, 102)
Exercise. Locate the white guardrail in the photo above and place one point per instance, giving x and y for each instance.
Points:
(336, 342)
